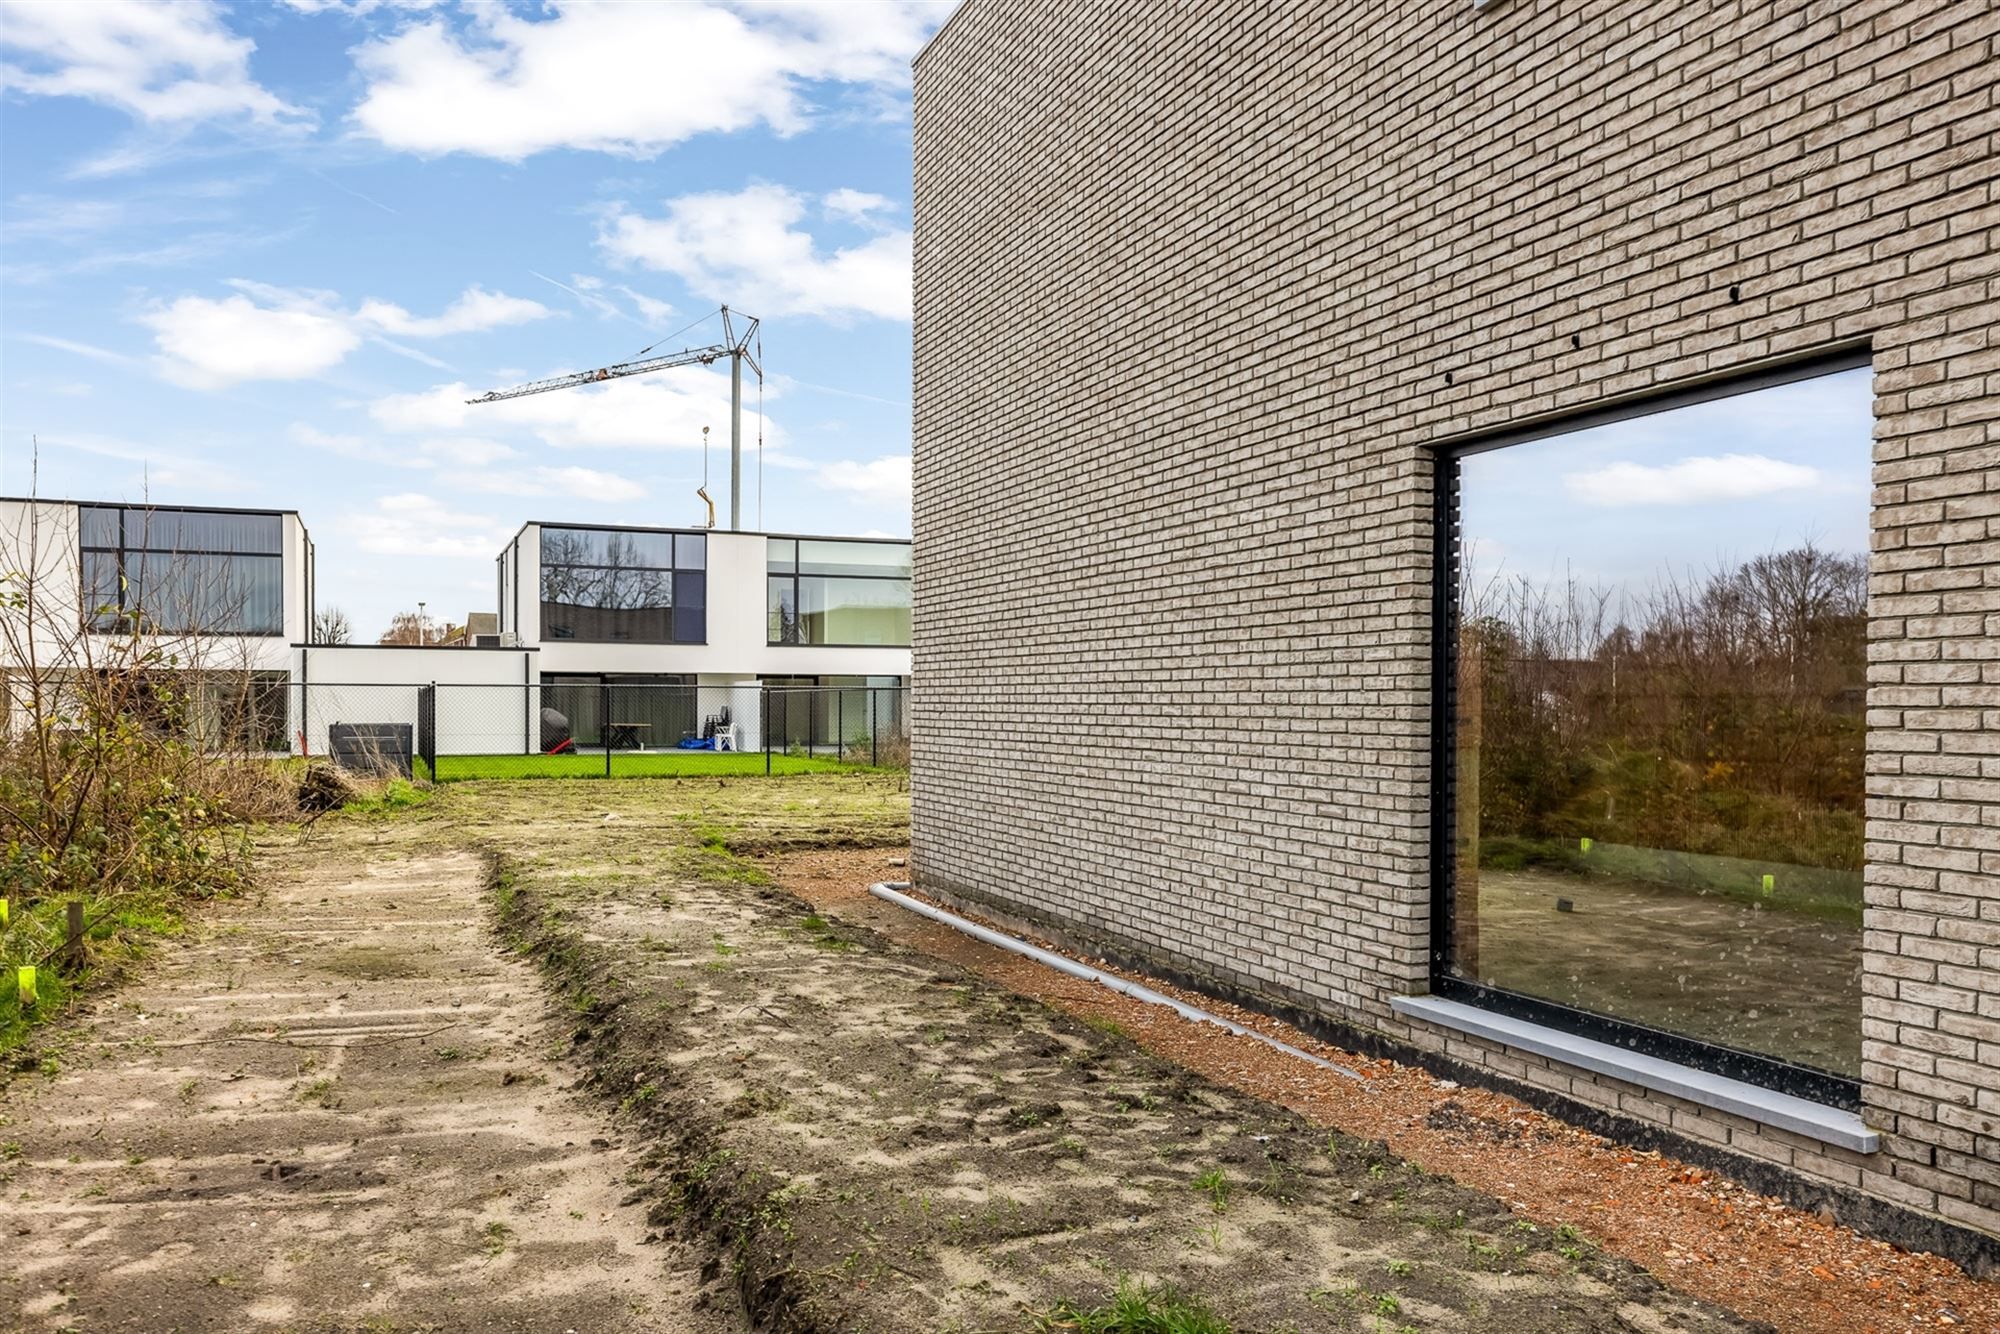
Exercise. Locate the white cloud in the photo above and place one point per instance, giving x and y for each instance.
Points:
(465, 452)
(466, 463)
(747, 249)
(207, 344)
(357, 8)
(475, 310)
(410, 523)
(354, 447)
(277, 333)
(856, 206)
(663, 410)
(651, 309)
(91, 350)
(885, 481)
(1690, 481)
(164, 64)
(580, 483)
(630, 79)
(189, 475)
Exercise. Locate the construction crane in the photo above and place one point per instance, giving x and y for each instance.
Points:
(734, 346)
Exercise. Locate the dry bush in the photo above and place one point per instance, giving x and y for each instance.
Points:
(131, 757)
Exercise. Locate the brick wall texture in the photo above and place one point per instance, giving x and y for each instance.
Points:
(1189, 282)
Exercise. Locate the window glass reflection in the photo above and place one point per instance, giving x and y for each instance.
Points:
(1659, 720)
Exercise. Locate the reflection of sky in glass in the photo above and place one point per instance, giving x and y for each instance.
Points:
(1695, 489)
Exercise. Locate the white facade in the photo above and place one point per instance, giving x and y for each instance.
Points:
(737, 647)
(707, 621)
(485, 708)
(41, 549)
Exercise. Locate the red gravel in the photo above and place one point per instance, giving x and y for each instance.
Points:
(1700, 1232)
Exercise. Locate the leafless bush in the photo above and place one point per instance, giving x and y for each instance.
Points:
(133, 747)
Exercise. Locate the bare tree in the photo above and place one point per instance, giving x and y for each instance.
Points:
(1718, 712)
(331, 626)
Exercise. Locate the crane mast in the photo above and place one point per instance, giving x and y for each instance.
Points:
(735, 346)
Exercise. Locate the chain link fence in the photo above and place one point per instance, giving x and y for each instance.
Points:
(589, 730)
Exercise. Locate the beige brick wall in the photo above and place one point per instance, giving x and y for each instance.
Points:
(1190, 282)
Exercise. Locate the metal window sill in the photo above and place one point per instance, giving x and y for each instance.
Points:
(1829, 1125)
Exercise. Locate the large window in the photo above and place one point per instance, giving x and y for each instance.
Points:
(839, 592)
(608, 586)
(1653, 669)
(164, 571)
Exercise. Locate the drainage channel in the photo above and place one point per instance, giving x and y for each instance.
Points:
(892, 892)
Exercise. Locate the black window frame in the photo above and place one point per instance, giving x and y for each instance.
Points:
(1809, 1082)
(795, 576)
(675, 572)
(93, 623)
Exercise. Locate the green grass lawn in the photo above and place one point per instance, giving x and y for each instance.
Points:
(630, 764)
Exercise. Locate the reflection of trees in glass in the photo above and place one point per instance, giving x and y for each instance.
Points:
(1720, 715)
(603, 570)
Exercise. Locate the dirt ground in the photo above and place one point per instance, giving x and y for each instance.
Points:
(344, 1105)
(336, 1105)
(883, 1141)
(1704, 1233)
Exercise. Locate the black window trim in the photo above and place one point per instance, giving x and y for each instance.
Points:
(672, 571)
(794, 575)
(1821, 1086)
(123, 549)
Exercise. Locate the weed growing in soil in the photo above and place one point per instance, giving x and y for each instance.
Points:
(1216, 1186)
(1134, 1310)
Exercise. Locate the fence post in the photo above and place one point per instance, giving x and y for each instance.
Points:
(73, 936)
(764, 727)
(839, 726)
(427, 728)
(604, 722)
(874, 744)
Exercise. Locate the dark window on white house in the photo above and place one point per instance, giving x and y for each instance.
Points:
(838, 592)
(166, 571)
(609, 586)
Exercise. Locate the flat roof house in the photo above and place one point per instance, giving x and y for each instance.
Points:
(638, 637)
(697, 620)
(1501, 506)
(219, 593)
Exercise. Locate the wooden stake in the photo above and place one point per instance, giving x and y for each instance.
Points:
(73, 945)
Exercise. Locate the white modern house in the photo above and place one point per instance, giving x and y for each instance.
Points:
(638, 637)
(712, 617)
(221, 593)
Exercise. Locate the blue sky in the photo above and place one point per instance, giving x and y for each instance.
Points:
(1689, 492)
(257, 255)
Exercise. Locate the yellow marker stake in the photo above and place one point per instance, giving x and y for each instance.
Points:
(3, 914)
(28, 996)
(1584, 844)
(1770, 885)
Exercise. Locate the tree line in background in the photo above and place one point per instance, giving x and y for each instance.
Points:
(1720, 715)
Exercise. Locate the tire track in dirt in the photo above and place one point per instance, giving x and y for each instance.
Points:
(334, 1107)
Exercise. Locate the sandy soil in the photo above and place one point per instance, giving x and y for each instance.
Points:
(332, 1107)
(1804, 1273)
(885, 1142)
